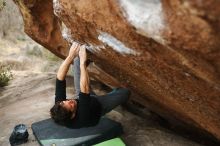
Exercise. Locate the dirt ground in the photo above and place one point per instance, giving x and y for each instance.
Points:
(29, 96)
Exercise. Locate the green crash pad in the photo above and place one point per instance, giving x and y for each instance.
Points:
(112, 142)
(48, 133)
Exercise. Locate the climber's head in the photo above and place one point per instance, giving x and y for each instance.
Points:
(63, 111)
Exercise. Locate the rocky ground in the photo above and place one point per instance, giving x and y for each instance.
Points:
(29, 96)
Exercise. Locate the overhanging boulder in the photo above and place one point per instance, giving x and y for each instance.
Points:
(165, 51)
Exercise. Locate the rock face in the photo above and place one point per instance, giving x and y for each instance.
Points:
(167, 52)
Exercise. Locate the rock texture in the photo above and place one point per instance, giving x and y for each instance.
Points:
(167, 52)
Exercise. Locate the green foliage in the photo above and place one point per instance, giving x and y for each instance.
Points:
(2, 4)
(5, 75)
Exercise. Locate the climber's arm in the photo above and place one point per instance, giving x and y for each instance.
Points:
(84, 76)
(63, 69)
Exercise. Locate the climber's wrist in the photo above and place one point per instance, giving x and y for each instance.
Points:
(70, 58)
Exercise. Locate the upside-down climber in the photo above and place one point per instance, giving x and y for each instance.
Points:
(87, 108)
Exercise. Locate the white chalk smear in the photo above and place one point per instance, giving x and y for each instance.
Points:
(56, 7)
(94, 48)
(66, 34)
(146, 16)
(115, 44)
(105, 38)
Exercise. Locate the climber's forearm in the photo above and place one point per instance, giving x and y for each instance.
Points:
(64, 67)
(84, 79)
(73, 52)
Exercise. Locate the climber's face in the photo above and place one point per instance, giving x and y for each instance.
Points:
(69, 104)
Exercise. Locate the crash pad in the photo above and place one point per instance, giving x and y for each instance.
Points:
(48, 133)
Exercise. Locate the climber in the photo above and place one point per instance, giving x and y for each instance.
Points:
(87, 108)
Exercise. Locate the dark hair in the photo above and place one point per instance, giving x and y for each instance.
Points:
(60, 114)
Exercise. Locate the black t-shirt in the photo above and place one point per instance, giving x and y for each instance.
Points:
(88, 110)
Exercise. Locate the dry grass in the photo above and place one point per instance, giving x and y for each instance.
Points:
(5, 75)
(2, 4)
